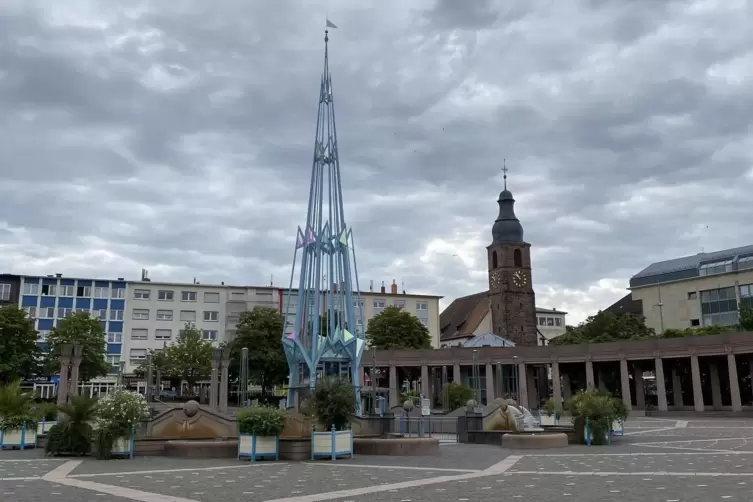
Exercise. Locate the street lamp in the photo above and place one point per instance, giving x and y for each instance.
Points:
(516, 376)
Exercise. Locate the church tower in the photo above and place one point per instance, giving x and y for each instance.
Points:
(511, 297)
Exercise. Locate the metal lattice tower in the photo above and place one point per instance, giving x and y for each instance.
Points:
(327, 338)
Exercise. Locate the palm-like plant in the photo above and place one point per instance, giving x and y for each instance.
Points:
(73, 435)
(15, 407)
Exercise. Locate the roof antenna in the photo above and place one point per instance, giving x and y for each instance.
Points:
(504, 170)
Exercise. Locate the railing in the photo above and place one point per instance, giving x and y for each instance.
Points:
(443, 428)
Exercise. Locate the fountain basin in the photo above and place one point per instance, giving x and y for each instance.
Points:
(534, 440)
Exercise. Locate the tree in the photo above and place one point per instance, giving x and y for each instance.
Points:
(80, 329)
(605, 327)
(746, 318)
(394, 328)
(260, 330)
(160, 363)
(190, 357)
(18, 345)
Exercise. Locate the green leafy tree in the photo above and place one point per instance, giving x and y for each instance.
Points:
(80, 329)
(458, 395)
(334, 402)
(394, 328)
(18, 345)
(746, 318)
(160, 362)
(260, 330)
(190, 357)
(606, 327)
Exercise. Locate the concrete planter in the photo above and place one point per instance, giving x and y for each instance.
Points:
(123, 446)
(44, 426)
(253, 446)
(618, 428)
(18, 438)
(545, 419)
(331, 444)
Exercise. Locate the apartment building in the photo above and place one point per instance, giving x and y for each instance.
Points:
(10, 289)
(551, 322)
(700, 290)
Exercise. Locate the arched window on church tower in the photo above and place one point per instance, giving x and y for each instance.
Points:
(518, 258)
(494, 259)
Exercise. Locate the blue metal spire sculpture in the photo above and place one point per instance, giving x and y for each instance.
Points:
(327, 338)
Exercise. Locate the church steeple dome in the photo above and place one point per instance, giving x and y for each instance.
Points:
(507, 227)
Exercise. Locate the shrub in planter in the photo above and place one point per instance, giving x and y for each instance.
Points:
(599, 410)
(334, 402)
(72, 436)
(259, 429)
(118, 413)
(18, 423)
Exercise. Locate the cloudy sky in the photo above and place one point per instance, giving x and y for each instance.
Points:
(177, 136)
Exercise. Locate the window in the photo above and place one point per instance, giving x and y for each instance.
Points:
(114, 337)
(550, 321)
(237, 295)
(141, 294)
(695, 322)
(49, 312)
(31, 288)
(211, 298)
(358, 303)
(101, 292)
(557, 321)
(745, 262)
(165, 295)
(210, 315)
(113, 360)
(164, 315)
(210, 335)
(78, 311)
(116, 315)
(399, 304)
(84, 291)
(139, 333)
(424, 322)
(692, 295)
(494, 259)
(188, 296)
(140, 314)
(542, 321)
(63, 313)
(715, 267)
(101, 314)
(746, 296)
(4, 292)
(138, 354)
(188, 315)
(719, 307)
(517, 257)
(422, 306)
(49, 289)
(31, 312)
(163, 334)
(118, 293)
(66, 290)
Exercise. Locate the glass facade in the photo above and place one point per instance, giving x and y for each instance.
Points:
(746, 296)
(719, 307)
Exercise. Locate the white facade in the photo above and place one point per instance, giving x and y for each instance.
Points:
(551, 322)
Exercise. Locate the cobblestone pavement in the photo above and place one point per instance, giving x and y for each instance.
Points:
(656, 460)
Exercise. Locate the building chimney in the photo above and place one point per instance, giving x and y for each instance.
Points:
(382, 289)
(371, 285)
(58, 275)
(402, 286)
(393, 288)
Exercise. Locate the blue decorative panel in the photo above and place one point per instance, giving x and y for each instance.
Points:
(114, 348)
(103, 325)
(65, 303)
(67, 282)
(99, 303)
(29, 301)
(47, 301)
(45, 324)
(84, 283)
(31, 280)
(102, 284)
(83, 303)
(49, 282)
(115, 327)
(117, 304)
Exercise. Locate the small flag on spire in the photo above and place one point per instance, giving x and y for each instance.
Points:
(330, 24)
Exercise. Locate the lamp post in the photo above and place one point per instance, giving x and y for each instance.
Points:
(373, 379)
(516, 376)
(475, 375)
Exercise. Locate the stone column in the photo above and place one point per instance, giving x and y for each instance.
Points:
(734, 383)
(533, 395)
(224, 378)
(697, 389)
(489, 370)
(456, 376)
(556, 385)
(394, 387)
(66, 352)
(213, 381)
(567, 387)
(625, 384)
(425, 382)
(677, 387)
(716, 388)
(589, 374)
(661, 390)
(640, 388)
(78, 351)
(522, 385)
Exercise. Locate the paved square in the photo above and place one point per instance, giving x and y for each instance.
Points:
(656, 460)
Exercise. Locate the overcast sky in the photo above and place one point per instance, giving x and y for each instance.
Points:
(177, 136)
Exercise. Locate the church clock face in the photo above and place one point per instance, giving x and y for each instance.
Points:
(495, 279)
(519, 278)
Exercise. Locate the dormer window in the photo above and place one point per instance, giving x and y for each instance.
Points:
(745, 262)
(715, 267)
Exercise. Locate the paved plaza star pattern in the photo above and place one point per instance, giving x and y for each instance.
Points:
(657, 460)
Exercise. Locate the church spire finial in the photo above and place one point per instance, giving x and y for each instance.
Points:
(504, 170)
